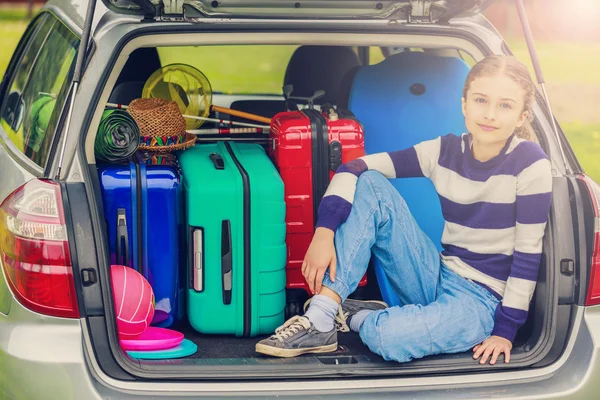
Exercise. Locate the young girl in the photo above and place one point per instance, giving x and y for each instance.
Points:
(495, 191)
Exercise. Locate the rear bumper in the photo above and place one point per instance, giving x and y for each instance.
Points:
(42, 357)
(573, 376)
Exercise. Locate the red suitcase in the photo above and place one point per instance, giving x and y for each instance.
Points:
(307, 147)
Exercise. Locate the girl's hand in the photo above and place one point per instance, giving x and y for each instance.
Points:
(494, 346)
(319, 256)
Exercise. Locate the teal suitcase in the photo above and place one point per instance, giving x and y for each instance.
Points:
(235, 212)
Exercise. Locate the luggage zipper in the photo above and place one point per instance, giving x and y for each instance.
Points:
(140, 225)
(320, 157)
(247, 247)
(226, 262)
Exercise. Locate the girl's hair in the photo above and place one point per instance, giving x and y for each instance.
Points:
(515, 70)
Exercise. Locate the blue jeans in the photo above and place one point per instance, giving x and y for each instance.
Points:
(441, 312)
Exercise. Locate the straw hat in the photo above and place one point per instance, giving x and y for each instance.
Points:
(162, 127)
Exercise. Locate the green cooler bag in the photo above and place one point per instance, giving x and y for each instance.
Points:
(235, 214)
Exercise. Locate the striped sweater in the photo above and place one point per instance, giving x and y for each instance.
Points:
(495, 212)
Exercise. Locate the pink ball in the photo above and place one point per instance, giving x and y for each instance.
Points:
(133, 299)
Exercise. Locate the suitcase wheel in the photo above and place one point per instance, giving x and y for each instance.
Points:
(293, 308)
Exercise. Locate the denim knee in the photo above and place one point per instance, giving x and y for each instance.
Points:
(371, 334)
(373, 184)
(371, 181)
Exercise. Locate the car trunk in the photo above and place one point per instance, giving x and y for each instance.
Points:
(230, 357)
(539, 342)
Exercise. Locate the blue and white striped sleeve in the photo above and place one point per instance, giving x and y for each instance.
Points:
(534, 193)
(337, 202)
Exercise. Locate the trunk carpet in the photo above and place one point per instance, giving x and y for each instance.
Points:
(226, 346)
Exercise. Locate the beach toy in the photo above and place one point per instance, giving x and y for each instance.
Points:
(186, 86)
(186, 348)
(133, 299)
(153, 338)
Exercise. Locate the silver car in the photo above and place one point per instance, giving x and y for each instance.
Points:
(58, 336)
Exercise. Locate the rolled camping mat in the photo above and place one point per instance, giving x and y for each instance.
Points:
(118, 136)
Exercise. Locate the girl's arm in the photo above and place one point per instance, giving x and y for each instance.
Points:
(416, 161)
(534, 191)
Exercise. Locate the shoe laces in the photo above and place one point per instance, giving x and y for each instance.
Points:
(341, 319)
(291, 327)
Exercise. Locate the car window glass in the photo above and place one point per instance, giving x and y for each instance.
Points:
(12, 109)
(467, 58)
(38, 91)
(243, 69)
(375, 55)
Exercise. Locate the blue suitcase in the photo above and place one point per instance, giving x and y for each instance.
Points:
(142, 206)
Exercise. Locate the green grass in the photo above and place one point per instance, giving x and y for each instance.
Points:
(13, 22)
(10, 32)
(563, 62)
(14, 13)
(585, 141)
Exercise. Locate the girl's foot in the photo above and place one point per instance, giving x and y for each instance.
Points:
(351, 307)
(298, 336)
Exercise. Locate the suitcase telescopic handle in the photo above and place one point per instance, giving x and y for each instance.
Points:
(122, 238)
(226, 261)
(287, 94)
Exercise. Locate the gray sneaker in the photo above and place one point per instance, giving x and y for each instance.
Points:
(350, 307)
(298, 336)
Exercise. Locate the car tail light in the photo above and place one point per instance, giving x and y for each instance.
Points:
(593, 293)
(34, 250)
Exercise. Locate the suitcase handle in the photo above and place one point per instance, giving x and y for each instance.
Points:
(217, 160)
(122, 238)
(226, 261)
(335, 155)
(198, 260)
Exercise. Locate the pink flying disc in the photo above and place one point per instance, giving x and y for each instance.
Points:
(153, 338)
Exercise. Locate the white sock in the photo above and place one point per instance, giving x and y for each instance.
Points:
(321, 312)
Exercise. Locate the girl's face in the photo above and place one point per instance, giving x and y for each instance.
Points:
(493, 109)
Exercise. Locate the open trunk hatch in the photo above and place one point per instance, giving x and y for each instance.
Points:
(239, 353)
(409, 10)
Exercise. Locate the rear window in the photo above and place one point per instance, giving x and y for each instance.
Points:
(259, 69)
(244, 69)
(38, 90)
